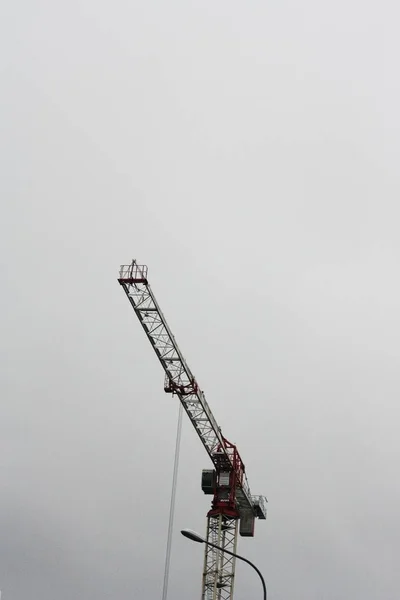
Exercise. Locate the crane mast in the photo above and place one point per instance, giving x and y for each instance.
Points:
(233, 507)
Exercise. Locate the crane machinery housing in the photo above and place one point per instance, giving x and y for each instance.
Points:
(233, 507)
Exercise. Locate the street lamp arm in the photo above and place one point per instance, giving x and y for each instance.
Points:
(244, 560)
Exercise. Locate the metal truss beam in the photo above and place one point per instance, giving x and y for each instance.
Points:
(219, 568)
(179, 378)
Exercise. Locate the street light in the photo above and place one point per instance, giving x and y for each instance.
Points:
(195, 537)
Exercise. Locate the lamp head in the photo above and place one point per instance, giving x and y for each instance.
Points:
(192, 535)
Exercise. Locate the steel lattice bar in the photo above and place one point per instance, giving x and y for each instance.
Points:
(219, 567)
(180, 380)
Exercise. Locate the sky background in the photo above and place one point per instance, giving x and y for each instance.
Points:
(247, 152)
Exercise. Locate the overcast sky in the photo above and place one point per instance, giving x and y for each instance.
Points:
(248, 153)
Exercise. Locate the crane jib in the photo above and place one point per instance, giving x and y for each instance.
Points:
(179, 380)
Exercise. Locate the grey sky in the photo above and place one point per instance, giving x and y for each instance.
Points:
(248, 153)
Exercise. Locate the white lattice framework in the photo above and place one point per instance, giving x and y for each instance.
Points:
(219, 568)
(222, 528)
(179, 378)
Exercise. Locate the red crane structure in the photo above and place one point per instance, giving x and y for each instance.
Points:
(233, 508)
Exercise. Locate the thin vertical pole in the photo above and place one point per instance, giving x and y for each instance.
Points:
(172, 503)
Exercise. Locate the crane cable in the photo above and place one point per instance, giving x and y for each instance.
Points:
(172, 504)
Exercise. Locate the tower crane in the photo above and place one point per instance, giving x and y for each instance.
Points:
(233, 507)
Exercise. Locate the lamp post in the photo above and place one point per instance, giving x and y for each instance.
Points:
(195, 537)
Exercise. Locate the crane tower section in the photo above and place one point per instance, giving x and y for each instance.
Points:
(232, 502)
